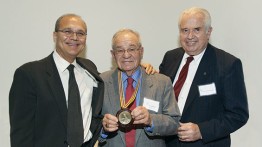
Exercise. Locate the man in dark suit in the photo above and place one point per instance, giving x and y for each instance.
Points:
(213, 99)
(152, 105)
(38, 98)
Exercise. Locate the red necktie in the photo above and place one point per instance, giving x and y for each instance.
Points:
(182, 77)
(130, 135)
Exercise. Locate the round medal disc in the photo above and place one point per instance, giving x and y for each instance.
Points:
(124, 117)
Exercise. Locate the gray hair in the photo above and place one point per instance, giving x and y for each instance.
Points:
(125, 30)
(197, 10)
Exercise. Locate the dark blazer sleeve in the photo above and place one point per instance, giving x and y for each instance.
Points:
(22, 104)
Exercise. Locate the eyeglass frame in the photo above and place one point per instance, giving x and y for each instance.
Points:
(121, 52)
(70, 33)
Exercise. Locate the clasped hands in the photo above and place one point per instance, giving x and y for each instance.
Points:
(140, 115)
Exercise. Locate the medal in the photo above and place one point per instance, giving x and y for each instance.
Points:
(124, 115)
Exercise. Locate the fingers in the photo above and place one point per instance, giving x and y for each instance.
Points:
(110, 123)
(189, 132)
(153, 71)
(149, 68)
(141, 116)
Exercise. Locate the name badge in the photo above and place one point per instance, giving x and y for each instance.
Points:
(151, 104)
(208, 89)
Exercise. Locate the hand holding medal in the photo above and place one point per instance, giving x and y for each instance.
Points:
(141, 116)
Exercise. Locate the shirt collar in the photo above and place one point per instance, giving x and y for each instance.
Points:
(135, 75)
(62, 64)
(196, 57)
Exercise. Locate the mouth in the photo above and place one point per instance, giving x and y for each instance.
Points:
(127, 61)
(191, 43)
(73, 44)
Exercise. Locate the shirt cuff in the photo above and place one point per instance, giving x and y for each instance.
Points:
(150, 129)
(103, 134)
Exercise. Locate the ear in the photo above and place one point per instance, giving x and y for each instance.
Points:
(54, 36)
(112, 53)
(209, 32)
(142, 52)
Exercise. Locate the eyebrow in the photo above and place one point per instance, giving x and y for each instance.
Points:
(72, 29)
(131, 45)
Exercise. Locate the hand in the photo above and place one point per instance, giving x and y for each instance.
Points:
(141, 116)
(149, 68)
(110, 123)
(189, 132)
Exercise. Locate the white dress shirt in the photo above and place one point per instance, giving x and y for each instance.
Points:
(85, 82)
(189, 79)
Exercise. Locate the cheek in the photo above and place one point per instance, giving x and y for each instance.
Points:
(61, 41)
(182, 38)
(82, 46)
(118, 60)
(202, 39)
(83, 42)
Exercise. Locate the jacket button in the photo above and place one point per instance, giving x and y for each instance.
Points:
(65, 142)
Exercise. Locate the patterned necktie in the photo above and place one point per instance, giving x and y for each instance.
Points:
(182, 77)
(130, 135)
(75, 131)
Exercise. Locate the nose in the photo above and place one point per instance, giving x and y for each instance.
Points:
(191, 34)
(126, 54)
(74, 36)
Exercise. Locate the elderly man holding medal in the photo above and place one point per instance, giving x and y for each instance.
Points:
(139, 109)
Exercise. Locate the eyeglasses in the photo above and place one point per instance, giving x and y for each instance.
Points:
(120, 52)
(70, 33)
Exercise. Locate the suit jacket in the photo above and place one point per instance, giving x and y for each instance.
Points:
(37, 105)
(156, 87)
(219, 114)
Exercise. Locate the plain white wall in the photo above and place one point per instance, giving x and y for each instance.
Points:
(27, 25)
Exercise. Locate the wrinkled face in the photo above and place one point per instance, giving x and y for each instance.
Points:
(193, 35)
(69, 41)
(127, 52)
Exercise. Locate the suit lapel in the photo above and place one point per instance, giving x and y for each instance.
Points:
(97, 92)
(113, 90)
(90, 70)
(114, 97)
(177, 60)
(146, 85)
(56, 87)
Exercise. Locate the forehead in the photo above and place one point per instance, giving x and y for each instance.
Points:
(126, 39)
(192, 21)
(72, 22)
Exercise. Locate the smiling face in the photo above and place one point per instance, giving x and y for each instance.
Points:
(194, 35)
(127, 52)
(69, 47)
